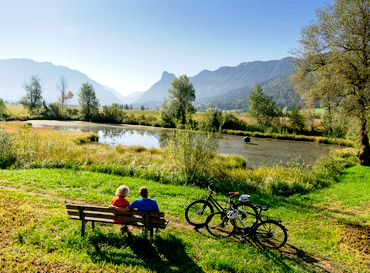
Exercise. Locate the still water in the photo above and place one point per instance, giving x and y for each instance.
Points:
(260, 151)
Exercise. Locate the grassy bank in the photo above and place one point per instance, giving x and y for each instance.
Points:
(44, 148)
(317, 139)
(328, 228)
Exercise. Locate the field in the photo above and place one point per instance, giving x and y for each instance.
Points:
(328, 229)
(325, 209)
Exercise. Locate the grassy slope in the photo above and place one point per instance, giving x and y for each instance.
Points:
(327, 228)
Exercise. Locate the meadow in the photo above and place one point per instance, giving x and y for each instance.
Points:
(325, 208)
(328, 229)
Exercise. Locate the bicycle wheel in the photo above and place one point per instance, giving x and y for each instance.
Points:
(248, 215)
(197, 212)
(270, 234)
(219, 225)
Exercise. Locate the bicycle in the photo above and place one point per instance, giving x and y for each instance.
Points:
(267, 233)
(198, 211)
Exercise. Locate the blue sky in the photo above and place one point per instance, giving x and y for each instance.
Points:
(127, 45)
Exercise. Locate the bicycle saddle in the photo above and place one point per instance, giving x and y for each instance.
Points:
(234, 193)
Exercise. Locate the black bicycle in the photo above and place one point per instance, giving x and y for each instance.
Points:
(198, 211)
(267, 233)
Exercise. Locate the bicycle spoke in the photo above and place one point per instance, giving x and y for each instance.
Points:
(219, 225)
(197, 212)
(270, 234)
(247, 214)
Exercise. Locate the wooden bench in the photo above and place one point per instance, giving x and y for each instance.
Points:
(85, 213)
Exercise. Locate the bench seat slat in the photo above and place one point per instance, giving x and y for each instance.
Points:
(108, 221)
(108, 216)
(108, 210)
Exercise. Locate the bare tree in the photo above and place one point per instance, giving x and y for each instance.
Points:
(64, 94)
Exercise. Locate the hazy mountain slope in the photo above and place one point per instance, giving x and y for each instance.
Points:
(223, 80)
(211, 84)
(279, 88)
(15, 72)
(155, 95)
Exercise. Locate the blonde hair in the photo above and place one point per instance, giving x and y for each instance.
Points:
(123, 191)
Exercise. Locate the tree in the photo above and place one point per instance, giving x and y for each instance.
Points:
(334, 63)
(180, 95)
(62, 87)
(113, 113)
(213, 120)
(297, 120)
(3, 111)
(88, 102)
(262, 107)
(33, 98)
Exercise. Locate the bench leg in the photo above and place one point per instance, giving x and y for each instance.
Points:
(83, 228)
(146, 233)
(93, 225)
(151, 235)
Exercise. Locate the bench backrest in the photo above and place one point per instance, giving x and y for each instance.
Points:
(104, 214)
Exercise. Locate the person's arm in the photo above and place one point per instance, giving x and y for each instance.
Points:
(156, 207)
(119, 209)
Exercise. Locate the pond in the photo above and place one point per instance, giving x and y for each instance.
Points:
(260, 151)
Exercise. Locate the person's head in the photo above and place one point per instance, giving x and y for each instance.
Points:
(123, 191)
(143, 192)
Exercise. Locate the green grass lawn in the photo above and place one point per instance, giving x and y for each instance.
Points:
(328, 229)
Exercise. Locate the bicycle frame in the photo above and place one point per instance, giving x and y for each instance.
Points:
(213, 201)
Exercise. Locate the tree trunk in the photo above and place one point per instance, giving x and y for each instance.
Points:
(364, 146)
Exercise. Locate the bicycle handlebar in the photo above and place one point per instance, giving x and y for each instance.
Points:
(209, 188)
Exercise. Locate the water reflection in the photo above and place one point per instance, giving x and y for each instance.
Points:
(258, 152)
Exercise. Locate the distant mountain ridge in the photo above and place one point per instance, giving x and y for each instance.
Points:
(223, 82)
(227, 87)
(15, 72)
(279, 88)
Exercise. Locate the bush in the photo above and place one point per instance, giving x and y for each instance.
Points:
(112, 114)
(7, 150)
(4, 113)
(233, 123)
(57, 111)
(213, 120)
(191, 153)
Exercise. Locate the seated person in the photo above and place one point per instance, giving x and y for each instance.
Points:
(143, 204)
(120, 201)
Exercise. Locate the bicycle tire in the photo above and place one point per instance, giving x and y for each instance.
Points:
(219, 225)
(197, 212)
(248, 214)
(270, 234)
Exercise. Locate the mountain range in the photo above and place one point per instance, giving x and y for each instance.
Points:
(231, 84)
(227, 87)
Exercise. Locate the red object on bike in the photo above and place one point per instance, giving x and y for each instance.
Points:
(234, 193)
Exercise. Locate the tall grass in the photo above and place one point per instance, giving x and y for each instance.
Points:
(7, 153)
(190, 158)
(191, 153)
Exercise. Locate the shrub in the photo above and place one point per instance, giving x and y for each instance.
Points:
(7, 154)
(233, 123)
(56, 111)
(213, 120)
(4, 113)
(191, 153)
(112, 114)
